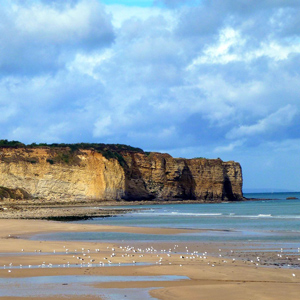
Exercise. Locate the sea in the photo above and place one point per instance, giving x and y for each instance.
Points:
(269, 217)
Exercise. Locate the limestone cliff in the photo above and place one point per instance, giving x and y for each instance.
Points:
(56, 174)
(62, 173)
(164, 177)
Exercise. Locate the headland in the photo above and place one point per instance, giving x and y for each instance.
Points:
(35, 180)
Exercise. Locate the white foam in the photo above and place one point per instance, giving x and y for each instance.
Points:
(197, 214)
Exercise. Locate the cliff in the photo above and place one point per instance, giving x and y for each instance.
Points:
(164, 177)
(107, 172)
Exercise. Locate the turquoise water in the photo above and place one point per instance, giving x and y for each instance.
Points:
(260, 220)
(277, 215)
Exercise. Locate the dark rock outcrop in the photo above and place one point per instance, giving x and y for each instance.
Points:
(160, 176)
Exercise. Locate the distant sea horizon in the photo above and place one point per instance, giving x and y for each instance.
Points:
(268, 190)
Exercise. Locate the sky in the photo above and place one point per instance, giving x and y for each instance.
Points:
(201, 78)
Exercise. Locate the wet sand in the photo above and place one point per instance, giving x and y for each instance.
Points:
(67, 210)
(215, 270)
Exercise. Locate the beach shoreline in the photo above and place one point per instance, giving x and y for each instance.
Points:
(85, 209)
(213, 270)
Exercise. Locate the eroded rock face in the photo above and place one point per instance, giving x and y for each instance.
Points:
(164, 177)
(57, 174)
(60, 174)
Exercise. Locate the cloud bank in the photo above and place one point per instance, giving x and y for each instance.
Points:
(194, 78)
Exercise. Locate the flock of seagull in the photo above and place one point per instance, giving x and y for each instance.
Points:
(131, 256)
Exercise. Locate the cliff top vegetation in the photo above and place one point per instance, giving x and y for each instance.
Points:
(73, 147)
(109, 151)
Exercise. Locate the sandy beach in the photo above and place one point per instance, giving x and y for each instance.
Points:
(207, 271)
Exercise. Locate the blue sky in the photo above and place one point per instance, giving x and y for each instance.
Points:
(210, 78)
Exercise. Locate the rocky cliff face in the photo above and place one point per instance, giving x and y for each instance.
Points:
(164, 177)
(58, 174)
(62, 174)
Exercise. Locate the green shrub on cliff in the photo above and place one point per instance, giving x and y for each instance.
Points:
(6, 143)
(108, 154)
(63, 156)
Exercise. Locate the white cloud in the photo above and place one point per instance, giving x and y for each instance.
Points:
(228, 148)
(280, 118)
(46, 38)
(123, 13)
(232, 47)
(86, 64)
(81, 22)
(54, 132)
(285, 146)
(222, 52)
(8, 112)
(103, 126)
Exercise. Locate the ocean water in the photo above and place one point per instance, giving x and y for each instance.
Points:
(276, 220)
